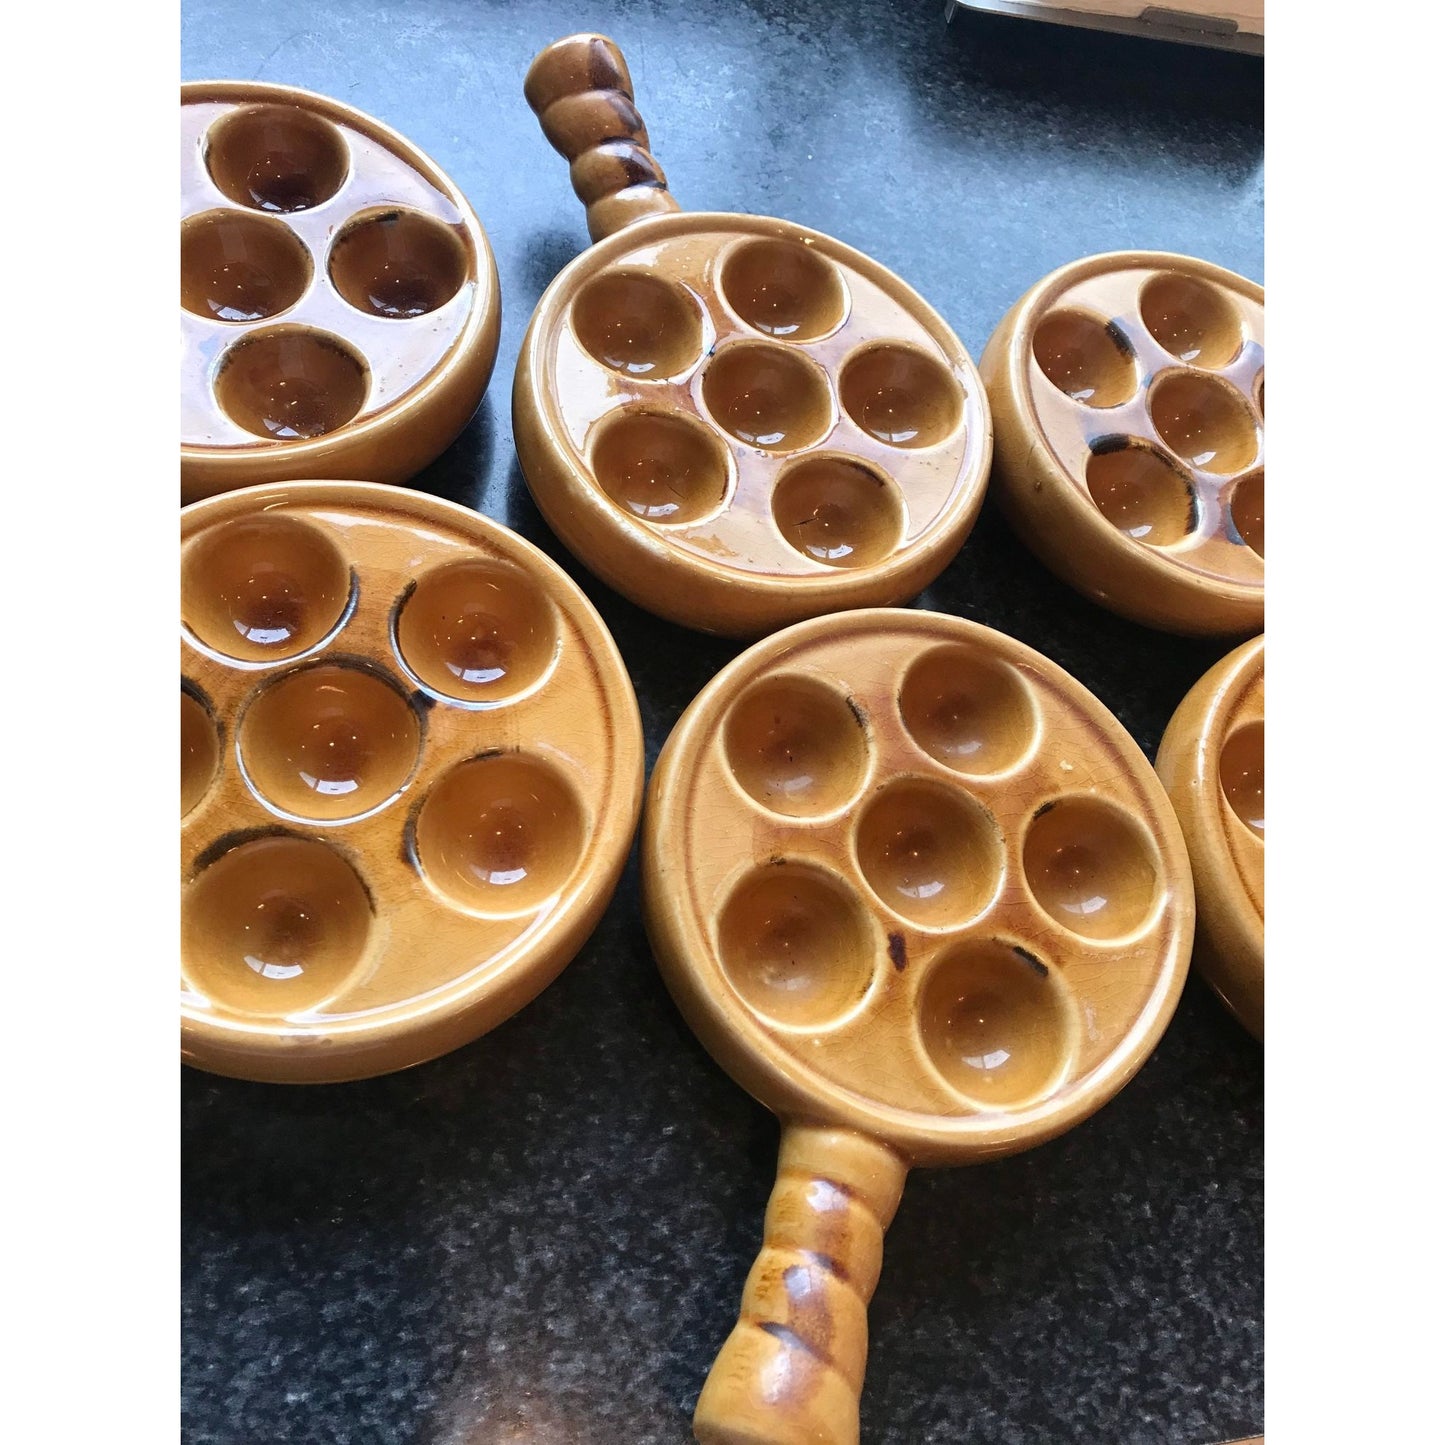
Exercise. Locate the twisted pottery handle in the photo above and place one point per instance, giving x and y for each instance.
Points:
(582, 94)
(791, 1371)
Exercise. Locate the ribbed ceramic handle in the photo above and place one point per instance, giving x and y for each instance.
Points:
(791, 1371)
(582, 94)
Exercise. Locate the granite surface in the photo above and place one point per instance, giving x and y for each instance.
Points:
(543, 1236)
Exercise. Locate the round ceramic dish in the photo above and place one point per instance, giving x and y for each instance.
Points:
(734, 421)
(411, 768)
(1211, 761)
(339, 300)
(1127, 393)
(950, 917)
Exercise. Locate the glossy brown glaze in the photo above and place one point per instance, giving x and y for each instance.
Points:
(1211, 761)
(734, 421)
(411, 768)
(1127, 392)
(339, 299)
(921, 895)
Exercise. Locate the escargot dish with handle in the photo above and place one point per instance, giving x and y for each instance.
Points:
(920, 893)
(735, 421)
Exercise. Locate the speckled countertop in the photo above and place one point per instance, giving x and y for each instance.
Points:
(543, 1236)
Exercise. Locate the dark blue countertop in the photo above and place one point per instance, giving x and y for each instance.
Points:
(543, 1237)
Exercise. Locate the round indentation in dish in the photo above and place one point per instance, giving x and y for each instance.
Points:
(795, 746)
(200, 751)
(971, 712)
(663, 467)
(500, 834)
(995, 1023)
(1191, 319)
(1246, 510)
(784, 289)
(1241, 775)
(263, 588)
(478, 631)
(236, 266)
(794, 942)
(398, 264)
(900, 396)
(329, 742)
(638, 324)
(1142, 494)
(1091, 867)
(838, 511)
(1204, 420)
(929, 852)
(276, 157)
(767, 396)
(1086, 358)
(274, 926)
(291, 383)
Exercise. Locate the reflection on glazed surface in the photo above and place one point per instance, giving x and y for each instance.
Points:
(929, 853)
(263, 588)
(995, 1023)
(1142, 494)
(900, 396)
(275, 158)
(1085, 358)
(783, 289)
(767, 396)
(796, 747)
(968, 711)
(477, 631)
(291, 383)
(662, 467)
(500, 834)
(1191, 319)
(329, 742)
(396, 263)
(1091, 867)
(838, 511)
(236, 267)
(274, 927)
(796, 945)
